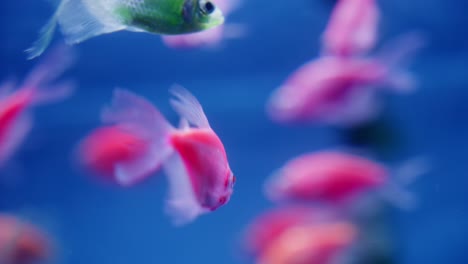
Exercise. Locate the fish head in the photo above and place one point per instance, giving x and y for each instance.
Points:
(203, 14)
(221, 195)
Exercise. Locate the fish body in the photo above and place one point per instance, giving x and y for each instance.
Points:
(311, 244)
(299, 235)
(326, 176)
(196, 147)
(193, 156)
(272, 224)
(80, 20)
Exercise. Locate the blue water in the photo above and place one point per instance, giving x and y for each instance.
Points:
(98, 223)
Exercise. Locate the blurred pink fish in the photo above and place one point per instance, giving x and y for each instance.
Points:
(15, 114)
(194, 159)
(272, 224)
(211, 37)
(342, 91)
(298, 234)
(337, 177)
(352, 29)
(323, 243)
(22, 243)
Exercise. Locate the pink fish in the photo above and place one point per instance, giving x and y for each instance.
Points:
(212, 37)
(193, 157)
(352, 29)
(342, 91)
(322, 243)
(337, 177)
(293, 233)
(272, 224)
(15, 106)
(22, 243)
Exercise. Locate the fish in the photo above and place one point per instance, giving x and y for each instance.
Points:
(80, 20)
(297, 233)
(22, 242)
(345, 91)
(211, 37)
(311, 244)
(17, 101)
(192, 156)
(338, 178)
(352, 29)
(269, 225)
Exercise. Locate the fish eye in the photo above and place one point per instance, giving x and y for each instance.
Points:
(207, 8)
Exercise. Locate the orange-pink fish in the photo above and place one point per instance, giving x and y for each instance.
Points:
(323, 243)
(298, 234)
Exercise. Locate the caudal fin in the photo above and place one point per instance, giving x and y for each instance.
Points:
(79, 20)
(396, 191)
(137, 115)
(45, 37)
(41, 79)
(397, 55)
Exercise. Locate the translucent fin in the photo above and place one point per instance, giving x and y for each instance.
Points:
(39, 79)
(51, 67)
(6, 87)
(182, 204)
(183, 124)
(54, 94)
(396, 190)
(361, 106)
(129, 108)
(188, 107)
(45, 37)
(397, 55)
(130, 173)
(14, 138)
(80, 20)
(136, 113)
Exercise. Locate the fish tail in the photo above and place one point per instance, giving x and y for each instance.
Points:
(397, 55)
(79, 20)
(40, 80)
(45, 37)
(136, 114)
(396, 191)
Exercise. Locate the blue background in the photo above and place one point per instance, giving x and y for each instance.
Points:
(97, 223)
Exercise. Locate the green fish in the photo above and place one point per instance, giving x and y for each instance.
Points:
(80, 20)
